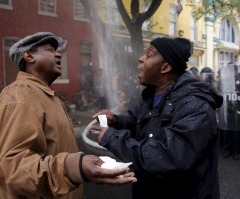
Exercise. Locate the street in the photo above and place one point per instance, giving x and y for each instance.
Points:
(229, 169)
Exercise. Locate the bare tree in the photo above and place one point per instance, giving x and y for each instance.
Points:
(133, 21)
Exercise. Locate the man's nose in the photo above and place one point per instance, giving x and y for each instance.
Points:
(141, 59)
(57, 54)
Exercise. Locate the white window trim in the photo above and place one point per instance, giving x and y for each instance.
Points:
(224, 60)
(176, 20)
(7, 7)
(50, 14)
(61, 81)
(81, 19)
(78, 18)
(225, 28)
(194, 28)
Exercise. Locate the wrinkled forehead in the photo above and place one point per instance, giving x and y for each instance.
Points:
(151, 48)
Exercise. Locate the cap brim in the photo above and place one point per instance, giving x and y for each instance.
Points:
(48, 40)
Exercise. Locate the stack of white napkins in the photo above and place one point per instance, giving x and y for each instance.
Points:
(103, 120)
(110, 163)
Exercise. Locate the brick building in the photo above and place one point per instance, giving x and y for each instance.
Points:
(67, 19)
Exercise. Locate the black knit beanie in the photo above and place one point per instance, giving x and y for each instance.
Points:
(175, 51)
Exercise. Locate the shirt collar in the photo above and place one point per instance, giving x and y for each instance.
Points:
(37, 82)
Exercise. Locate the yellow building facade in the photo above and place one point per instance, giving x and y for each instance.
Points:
(215, 42)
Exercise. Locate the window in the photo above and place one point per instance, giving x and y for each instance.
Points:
(10, 70)
(85, 53)
(225, 57)
(6, 4)
(79, 11)
(193, 28)
(86, 66)
(172, 20)
(113, 15)
(47, 7)
(227, 31)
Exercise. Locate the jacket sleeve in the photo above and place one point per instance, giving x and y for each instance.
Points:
(184, 141)
(24, 167)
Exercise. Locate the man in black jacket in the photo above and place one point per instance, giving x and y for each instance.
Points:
(171, 137)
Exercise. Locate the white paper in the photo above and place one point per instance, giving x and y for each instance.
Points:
(103, 120)
(110, 163)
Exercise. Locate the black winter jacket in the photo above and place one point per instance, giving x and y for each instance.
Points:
(173, 146)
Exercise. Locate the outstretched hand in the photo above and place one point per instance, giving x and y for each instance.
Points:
(91, 166)
(111, 119)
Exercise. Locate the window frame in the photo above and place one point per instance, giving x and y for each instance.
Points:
(172, 22)
(226, 31)
(222, 59)
(194, 28)
(7, 7)
(46, 13)
(75, 17)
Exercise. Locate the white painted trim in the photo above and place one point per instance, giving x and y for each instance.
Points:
(61, 81)
(50, 14)
(81, 19)
(7, 7)
(47, 14)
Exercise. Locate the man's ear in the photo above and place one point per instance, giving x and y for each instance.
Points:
(28, 56)
(166, 68)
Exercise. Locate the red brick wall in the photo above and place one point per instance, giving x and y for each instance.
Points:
(24, 20)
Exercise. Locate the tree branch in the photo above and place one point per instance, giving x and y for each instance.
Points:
(151, 10)
(225, 4)
(124, 14)
(135, 9)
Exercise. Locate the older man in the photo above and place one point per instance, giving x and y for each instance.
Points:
(171, 137)
(39, 157)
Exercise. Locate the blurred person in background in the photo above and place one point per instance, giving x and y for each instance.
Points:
(207, 75)
(229, 113)
(101, 89)
(188, 71)
(195, 72)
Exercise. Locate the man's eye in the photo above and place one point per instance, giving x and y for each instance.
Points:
(147, 55)
(50, 49)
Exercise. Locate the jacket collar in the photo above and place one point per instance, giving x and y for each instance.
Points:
(37, 82)
(186, 85)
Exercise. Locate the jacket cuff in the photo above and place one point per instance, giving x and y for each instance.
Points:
(72, 168)
(81, 170)
(107, 135)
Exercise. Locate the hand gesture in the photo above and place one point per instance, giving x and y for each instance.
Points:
(91, 166)
(111, 119)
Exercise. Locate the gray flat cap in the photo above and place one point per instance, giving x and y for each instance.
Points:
(16, 51)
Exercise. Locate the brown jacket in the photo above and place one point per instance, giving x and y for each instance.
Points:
(36, 135)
